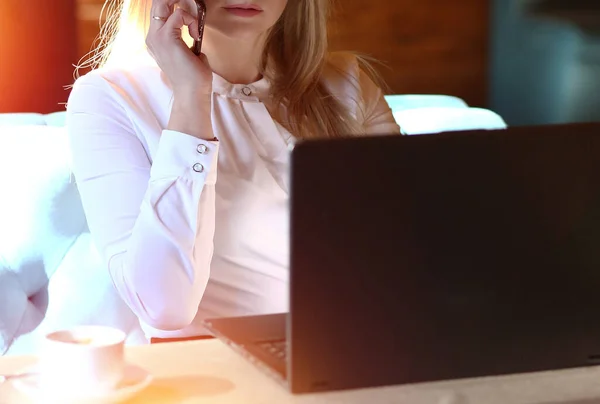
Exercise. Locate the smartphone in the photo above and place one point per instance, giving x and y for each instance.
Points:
(197, 48)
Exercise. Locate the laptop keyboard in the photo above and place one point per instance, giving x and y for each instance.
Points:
(278, 349)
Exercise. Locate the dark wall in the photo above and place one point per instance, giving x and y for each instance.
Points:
(431, 46)
(532, 64)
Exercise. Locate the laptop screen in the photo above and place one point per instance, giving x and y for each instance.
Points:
(424, 247)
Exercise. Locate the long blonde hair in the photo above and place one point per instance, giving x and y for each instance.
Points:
(294, 60)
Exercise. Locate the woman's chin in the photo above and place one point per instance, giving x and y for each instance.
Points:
(239, 32)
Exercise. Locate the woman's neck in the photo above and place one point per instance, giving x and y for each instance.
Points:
(236, 60)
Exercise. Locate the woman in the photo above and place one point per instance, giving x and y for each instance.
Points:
(181, 161)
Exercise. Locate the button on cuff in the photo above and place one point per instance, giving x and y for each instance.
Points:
(202, 149)
(182, 155)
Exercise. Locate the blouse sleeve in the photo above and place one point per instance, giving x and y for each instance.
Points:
(153, 224)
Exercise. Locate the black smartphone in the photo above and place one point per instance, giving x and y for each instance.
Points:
(197, 48)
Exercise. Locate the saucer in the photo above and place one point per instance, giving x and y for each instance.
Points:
(134, 381)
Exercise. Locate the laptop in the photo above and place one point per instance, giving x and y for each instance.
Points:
(436, 257)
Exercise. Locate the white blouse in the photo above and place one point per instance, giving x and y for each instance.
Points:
(192, 229)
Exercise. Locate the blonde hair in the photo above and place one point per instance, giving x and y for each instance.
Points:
(294, 60)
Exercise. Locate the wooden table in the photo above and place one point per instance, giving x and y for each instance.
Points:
(209, 372)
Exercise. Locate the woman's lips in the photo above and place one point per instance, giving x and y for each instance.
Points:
(243, 11)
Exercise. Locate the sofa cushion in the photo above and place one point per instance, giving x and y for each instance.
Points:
(435, 120)
(402, 102)
(30, 118)
(40, 218)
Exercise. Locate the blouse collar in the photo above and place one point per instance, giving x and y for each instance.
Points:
(257, 91)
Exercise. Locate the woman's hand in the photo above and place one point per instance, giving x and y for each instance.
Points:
(189, 75)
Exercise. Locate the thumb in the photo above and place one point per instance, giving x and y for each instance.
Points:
(204, 59)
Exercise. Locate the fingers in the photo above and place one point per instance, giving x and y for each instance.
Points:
(204, 59)
(166, 33)
(173, 18)
(162, 9)
(179, 19)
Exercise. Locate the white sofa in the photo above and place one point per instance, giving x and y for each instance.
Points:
(50, 273)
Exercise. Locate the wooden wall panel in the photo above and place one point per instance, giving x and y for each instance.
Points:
(37, 50)
(430, 46)
(89, 20)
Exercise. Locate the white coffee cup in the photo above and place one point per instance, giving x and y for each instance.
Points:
(86, 360)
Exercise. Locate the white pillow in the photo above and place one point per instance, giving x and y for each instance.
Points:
(436, 120)
(401, 102)
(40, 218)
